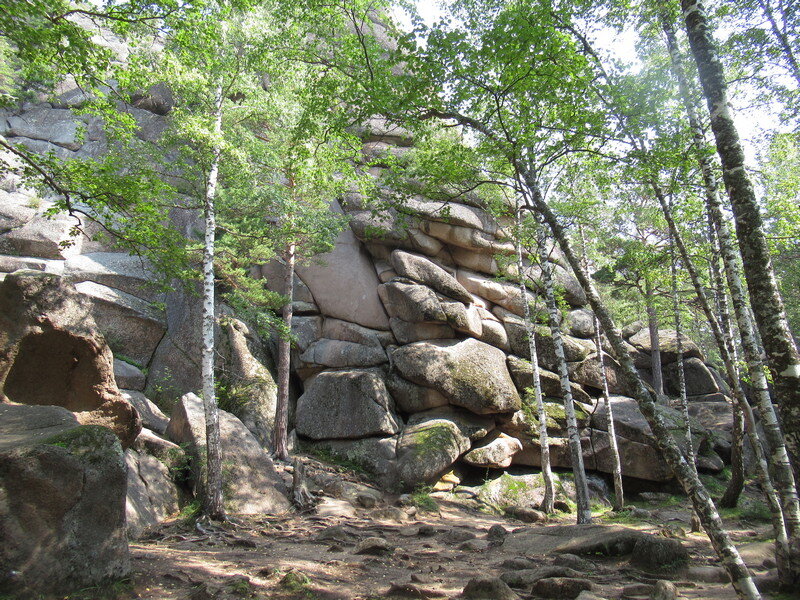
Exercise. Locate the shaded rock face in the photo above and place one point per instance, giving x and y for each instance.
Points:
(251, 484)
(62, 502)
(52, 354)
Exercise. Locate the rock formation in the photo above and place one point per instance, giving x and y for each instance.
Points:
(410, 328)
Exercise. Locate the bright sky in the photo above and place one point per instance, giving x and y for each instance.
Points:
(622, 46)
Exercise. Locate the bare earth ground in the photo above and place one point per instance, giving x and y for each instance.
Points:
(426, 555)
(308, 557)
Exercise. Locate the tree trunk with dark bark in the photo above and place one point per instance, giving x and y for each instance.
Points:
(782, 354)
(280, 433)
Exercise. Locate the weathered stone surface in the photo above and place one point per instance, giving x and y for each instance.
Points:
(412, 398)
(698, 377)
(407, 333)
(336, 353)
(9, 264)
(272, 274)
(40, 237)
(575, 349)
(465, 319)
(153, 444)
(466, 237)
(252, 485)
(474, 261)
(426, 272)
(152, 495)
(488, 588)
(587, 372)
(344, 284)
(432, 441)
(250, 377)
(62, 503)
(128, 376)
(656, 553)
(130, 274)
(470, 373)
(52, 354)
(561, 587)
(599, 540)
(131, 326)
(522, 375)
(345, 405)
(376, 455)
(411, 302)
(151, 415)
(307, 330)
(502, 293)
(667, 344)
(336, 329)
(492, 330)
(495, 452)
(581, 323)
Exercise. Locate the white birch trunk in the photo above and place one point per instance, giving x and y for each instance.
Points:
(547, 474)
(212, 497)
(575, 449)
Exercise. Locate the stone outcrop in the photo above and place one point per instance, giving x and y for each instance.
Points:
(52, 354)
(410, 314)
(252, 485)
(62, 502)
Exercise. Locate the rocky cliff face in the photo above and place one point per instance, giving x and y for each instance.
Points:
(411, 353)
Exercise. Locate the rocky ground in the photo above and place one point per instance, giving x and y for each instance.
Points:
(392, 550)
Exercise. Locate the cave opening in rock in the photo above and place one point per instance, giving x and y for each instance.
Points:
(55, 368)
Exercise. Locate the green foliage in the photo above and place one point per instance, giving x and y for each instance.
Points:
(295, 581)
(421, 499)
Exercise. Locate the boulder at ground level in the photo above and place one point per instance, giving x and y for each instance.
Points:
(62, 503)
(152, 495)
(251, 484)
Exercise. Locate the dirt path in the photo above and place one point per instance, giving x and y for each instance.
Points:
(433, 555)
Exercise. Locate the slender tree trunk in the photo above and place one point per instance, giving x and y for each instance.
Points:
(575, 449)
(548, 502)
(280, 433)
(616, 464)
(213, 506)
(655, 345)
(735, 486)
(783, 42)
(782, 354)
(779, 458)
(703, 505)
(691, 453)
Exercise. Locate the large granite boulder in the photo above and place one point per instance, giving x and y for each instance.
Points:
(468, 372)
(62, 503)
(252, 485)
(344, 284)
(433, 440)
(698, 377)
(51, 353)
(152, 494)
(426, 272)
(667, 344)
(250, 377)
(132, 326)
(346, 404)
(130, 274)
